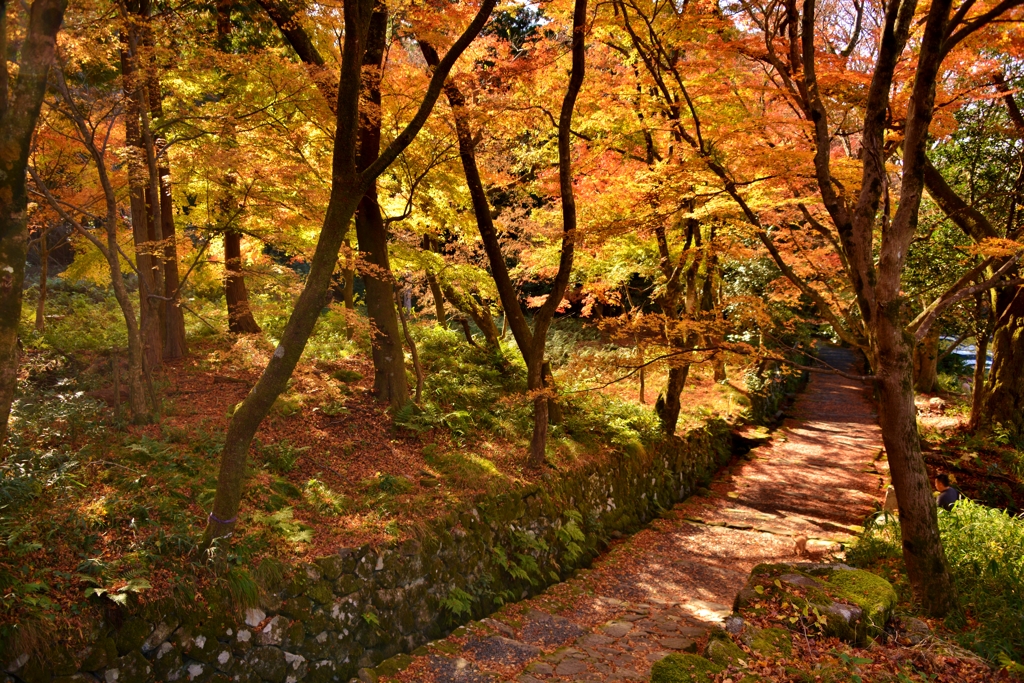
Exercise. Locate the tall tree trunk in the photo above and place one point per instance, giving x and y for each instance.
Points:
(922, 546)
(642, 372)
(389, 382)
(348, 187)
(173, 333)
(348, 272)
(535, 384)
(175, 345)
(240, 319)
(435, 287)
(138, 183)
(1005, 393)
(926, 362)
(555, 414)
(236, 294)
(137, 375)
(44, 263)
(19, 112)
(531, 342)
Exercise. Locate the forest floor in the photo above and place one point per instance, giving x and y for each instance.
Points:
(662, 590)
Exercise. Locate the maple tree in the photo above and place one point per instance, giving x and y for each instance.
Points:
(353, 176)
(702, 184)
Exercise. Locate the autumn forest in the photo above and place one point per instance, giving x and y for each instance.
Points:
(284, 277)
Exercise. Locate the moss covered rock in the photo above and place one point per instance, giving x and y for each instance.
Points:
(684, 668)
(870, 592)
(850, 604)
(771, 642)
(721, 650)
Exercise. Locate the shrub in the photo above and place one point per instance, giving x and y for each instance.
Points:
(985, 550)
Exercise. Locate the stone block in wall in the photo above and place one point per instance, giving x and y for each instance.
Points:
(165, 660)
(131, 668)
(268, 663)
(97, 657)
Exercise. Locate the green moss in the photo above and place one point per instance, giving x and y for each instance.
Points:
(445, 647)
(390, 667)
(870, 592)
(723, 651)
(683, 668)
(347, 375)
(771, 642)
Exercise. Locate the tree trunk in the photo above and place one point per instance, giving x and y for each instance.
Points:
(720, 374)
(138, 182)
(925, 559)
(175, 345)
(415, 354)
(670, 405)
(389, 383)
(19, 112)
(642, 372)
(535, 385)
(1005, 394)
(137, 406)
(926, 362)
(240, 319)
(435, 292)
(554, 409)
(531, 342)
(480, 315)
(236, 294)
(435, 287)
(44, 263)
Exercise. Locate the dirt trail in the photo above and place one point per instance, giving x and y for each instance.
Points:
(659, 590)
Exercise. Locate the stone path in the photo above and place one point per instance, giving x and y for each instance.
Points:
(660, 590)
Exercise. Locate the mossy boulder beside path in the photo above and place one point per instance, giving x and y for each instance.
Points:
(851, 604)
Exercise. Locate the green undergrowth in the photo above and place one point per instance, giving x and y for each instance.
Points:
(94, 513)
(985, 550)
(474, 393)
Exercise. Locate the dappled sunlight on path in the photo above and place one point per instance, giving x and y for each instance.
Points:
(658, 591)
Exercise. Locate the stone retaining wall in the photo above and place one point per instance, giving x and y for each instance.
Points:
(327, 619)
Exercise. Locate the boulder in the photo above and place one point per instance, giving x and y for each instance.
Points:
(851, 604)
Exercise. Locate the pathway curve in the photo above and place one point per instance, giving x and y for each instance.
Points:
(659, 590)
